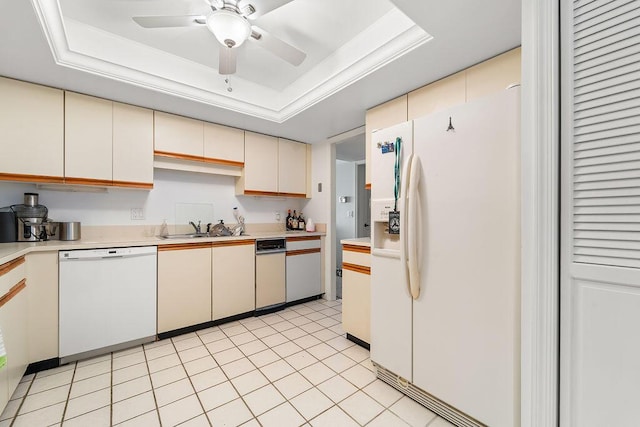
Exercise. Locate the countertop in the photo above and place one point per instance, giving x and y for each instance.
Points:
(360, 241)
(11, 251)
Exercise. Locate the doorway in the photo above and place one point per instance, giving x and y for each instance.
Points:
(352, 200)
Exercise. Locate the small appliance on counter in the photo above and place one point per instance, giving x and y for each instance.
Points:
(32, 222)
(7, 225)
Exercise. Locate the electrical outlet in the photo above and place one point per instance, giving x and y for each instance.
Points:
(278, 216)
(137, 213)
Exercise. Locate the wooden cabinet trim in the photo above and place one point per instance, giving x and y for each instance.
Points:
(300, 195)
(15, 290)
(8, 266)
(127, 184)
(178, 156)
(367, 186)
(183, 246)
(356, 268)
(356, 248)
(88, 181)
(223, 162)
(303, 251)
(260, 193)
(31, 178)
(302, 238)
(233, 243)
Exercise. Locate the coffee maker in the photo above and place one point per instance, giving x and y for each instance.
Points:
(31, 221)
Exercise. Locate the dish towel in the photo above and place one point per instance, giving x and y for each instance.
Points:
(3, 352)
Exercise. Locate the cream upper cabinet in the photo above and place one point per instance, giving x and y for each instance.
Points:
(493, 75)
(88, 139)
(260, 175)
(31, 131)
(178, 135)
(224, 145)
(132, 145)
(184, 286)
(273, 167)
(292, 167)
(233, 278)
(437, 96)
(388, 114)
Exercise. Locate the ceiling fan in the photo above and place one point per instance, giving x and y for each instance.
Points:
(230, 23)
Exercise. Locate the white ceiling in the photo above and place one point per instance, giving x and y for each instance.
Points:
(360, 53)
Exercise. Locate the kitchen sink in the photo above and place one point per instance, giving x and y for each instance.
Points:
(184, 236)
(191, 236)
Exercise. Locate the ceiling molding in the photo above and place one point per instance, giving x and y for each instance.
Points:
(82, 47)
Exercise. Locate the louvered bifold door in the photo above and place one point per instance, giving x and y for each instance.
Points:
(600, 233)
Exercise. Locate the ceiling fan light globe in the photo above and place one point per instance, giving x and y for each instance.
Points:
(229, 26)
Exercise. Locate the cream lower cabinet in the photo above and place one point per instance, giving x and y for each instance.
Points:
(184, 285)
(31, 131)
(356, 292)
(233, 278)
(13, 324)
(42, 277)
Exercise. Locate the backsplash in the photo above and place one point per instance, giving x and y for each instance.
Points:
(176, 196)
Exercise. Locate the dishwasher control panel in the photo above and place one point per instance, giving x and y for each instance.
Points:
(271, 245)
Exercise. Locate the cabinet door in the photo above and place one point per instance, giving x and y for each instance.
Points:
(184, 287)
(260, 173)
(223, 145)
(88, 139)
(233, 275)
(292, 167)
(388, 114)
(178, 135)
(132, 146)
(493, 75)
(356, 304)
(437, 96)
(31, 131)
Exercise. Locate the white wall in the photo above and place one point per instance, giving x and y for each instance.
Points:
(321, 208)
(172, 190)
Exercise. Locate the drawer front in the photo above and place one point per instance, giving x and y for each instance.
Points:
(356, 258)
(303, 242)
(11, 273)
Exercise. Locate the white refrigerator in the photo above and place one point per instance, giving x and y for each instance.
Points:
(445, 291)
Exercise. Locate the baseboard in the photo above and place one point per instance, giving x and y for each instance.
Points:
(358, 341)
(42, 365)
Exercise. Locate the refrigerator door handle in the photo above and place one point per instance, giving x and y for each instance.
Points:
(404, 222)
(414, 220)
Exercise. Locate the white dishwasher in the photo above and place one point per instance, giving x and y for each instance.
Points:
(107, 300)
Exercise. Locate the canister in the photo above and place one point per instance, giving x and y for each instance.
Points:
(70, 230)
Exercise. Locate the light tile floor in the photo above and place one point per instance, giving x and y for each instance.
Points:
(289, 368)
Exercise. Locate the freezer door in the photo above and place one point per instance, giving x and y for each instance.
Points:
(466, 319)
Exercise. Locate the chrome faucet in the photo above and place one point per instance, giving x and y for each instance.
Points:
(196, 227)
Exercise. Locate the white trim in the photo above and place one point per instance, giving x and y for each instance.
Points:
(540, 208)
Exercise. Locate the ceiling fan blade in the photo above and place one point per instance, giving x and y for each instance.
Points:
(260, 7)
(227, 60)
(170, 21)
(278, 47)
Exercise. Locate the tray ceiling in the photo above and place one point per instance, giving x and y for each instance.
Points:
(344, 41)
